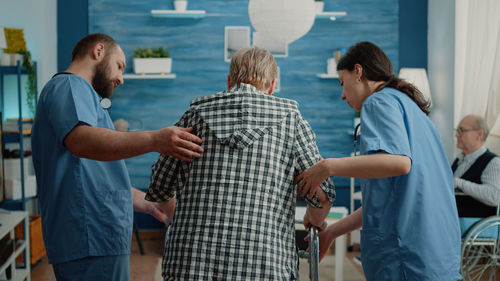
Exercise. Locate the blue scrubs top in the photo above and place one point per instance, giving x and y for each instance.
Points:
(410, 222)
(86, 205)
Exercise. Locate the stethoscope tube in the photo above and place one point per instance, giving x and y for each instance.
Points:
(356, 133)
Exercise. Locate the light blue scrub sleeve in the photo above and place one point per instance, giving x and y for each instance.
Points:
(70, 103)
(383, 126)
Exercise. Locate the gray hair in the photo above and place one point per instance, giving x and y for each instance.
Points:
(480, 124)
(253, 65)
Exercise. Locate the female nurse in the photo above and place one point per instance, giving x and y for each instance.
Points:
(409, 216)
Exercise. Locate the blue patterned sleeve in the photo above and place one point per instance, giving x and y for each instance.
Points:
(168, 174)
(306, 155)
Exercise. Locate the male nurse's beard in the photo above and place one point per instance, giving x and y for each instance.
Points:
(101, 83)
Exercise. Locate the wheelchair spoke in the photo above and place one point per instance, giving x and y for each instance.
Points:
(481, 251)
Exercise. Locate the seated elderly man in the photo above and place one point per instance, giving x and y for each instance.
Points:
(476, 171)
(234, 218)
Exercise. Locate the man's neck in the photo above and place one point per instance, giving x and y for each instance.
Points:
(472, 150)
(82, 69)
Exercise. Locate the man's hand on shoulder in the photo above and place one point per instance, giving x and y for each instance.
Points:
(178, 142)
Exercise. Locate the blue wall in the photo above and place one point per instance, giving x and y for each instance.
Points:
(413, 33)
(197, 50)
(72, 25)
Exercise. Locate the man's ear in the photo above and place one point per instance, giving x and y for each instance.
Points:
(270, 91)
(98, 51)
(481, 135)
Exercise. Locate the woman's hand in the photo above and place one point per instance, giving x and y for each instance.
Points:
(310, 179)
(326, 239)
(156, 210)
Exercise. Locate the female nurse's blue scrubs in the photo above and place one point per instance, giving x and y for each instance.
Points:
(410, 222)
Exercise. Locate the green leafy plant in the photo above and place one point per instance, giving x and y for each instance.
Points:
(160, 52)
(31, 86)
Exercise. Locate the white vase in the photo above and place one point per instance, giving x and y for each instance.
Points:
(152, 65)
(14, 58)
(180, 5)
(5, 59)
(331, 66)
(319, 6)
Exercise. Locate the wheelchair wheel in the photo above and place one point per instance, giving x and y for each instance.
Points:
(481, 251)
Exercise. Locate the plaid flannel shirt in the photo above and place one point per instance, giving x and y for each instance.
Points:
(234, 218)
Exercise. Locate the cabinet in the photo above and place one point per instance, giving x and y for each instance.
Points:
(9, 269)
(18, 137)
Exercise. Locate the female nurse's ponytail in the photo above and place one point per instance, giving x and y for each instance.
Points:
(377, 67)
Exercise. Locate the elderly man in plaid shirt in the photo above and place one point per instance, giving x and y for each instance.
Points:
(235, 206)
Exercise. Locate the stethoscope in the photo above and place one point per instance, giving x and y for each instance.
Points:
(105, 102)
(356, 139)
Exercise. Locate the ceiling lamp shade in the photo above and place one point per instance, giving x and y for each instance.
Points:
(282, 20)
(417, 77)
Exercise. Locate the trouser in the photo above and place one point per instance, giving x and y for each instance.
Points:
(116, 268)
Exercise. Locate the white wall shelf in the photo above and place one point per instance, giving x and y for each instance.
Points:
(331, 15)
(178, 14)
(9, 221)
(328, 75)
(149, 76)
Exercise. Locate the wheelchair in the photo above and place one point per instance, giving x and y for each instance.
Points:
(481, 243)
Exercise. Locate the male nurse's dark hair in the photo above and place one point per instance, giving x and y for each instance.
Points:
(377, 67)
(85, 45)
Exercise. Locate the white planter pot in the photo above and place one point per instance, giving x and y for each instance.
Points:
(152, 65)
(319, 6)
(180, 5)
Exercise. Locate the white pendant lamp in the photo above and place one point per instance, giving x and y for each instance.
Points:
(417, 77)
(282, 20)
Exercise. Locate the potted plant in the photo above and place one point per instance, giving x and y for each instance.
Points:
(31, 94)
(319, 6)
(17, 51)
(180, 5)
(147, 60)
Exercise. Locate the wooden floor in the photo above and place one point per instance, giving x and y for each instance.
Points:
(142, 267)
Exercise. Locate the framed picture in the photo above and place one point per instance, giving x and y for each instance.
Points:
(235, 38)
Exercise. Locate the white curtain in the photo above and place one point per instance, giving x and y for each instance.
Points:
(477, 63)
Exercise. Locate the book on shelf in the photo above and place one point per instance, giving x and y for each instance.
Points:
(11, 125)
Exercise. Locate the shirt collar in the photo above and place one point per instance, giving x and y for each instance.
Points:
(474, 155)
(243, 87)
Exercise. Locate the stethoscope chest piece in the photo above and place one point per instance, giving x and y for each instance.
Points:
(105, 103)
